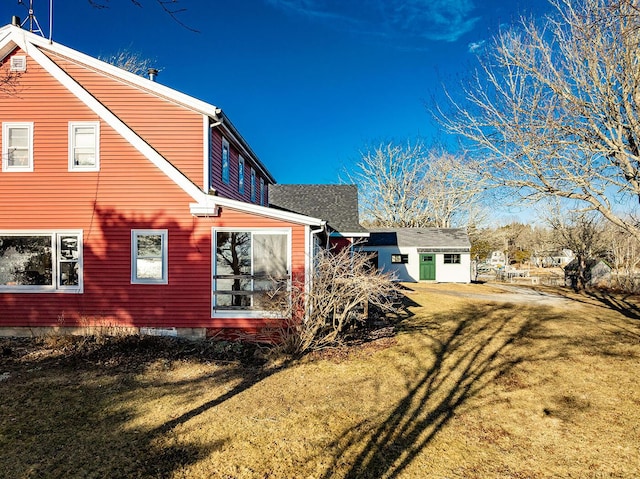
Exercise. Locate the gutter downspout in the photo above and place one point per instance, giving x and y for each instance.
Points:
(311, 262)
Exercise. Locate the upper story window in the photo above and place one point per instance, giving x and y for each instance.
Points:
(84, 146)
(225, 161)
(253, 185)
(149, 256)
(17, 147)
(262, 192)
(41, 262)
(241, 175)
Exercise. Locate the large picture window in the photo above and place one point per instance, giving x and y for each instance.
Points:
(84, 149)
(17, 147)
(41, 262)
(149, 256)
(251, 269)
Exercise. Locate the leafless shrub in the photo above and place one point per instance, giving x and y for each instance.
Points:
(343, 292)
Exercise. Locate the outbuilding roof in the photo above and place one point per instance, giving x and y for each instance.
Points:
(428, 238)
(336, 204)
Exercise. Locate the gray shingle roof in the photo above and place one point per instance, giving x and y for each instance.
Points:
(420, 237)
(336, 204)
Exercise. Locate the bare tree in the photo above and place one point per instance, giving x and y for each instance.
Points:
(554, 108)
(411, 186)
(130, 61)
(584, 234)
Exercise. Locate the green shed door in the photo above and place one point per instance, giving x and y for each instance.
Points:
(428, 266)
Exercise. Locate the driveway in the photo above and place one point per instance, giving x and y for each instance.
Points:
(496, 292)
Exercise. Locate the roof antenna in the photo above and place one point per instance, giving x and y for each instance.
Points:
(34, 26)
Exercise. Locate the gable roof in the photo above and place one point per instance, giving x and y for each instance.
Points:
(12, 36)
(337, 204)
(37, 48)
(439, 238)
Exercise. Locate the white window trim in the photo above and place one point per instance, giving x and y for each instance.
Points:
(225, 177)
(5, 146)
(253, 186)
(241, 177)
(56, 287)
(71, 146)
(247, 313)
(165, 256)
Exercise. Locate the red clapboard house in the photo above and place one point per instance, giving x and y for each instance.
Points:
(125, 203)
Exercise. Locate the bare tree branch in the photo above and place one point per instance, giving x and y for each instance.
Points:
(554, 109)
(170, 7)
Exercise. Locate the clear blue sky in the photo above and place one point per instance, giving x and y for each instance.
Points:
(309, 83)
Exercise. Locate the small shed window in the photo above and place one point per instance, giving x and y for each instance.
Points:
(452, 258)
(400, 258)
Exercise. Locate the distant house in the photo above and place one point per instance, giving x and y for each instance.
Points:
(336, 204)
(597, 272)
(554, 259)
(422, 254)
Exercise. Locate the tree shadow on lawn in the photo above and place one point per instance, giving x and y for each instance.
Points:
(75, 415)
(469, 348)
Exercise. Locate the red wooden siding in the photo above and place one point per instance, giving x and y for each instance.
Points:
(128, 192)
(173, 130)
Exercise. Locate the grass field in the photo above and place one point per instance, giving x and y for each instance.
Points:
(468, 388)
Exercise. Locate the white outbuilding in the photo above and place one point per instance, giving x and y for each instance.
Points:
(422, 254)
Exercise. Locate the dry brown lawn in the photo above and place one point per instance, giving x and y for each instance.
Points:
(469, 388)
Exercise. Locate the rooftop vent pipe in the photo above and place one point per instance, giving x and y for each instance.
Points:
(153, 73)
(15, 21)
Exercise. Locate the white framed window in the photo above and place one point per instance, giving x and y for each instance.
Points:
(241, 175)
(32, 262)
(251, 270)
(149, 256)
(253, 185)
(17, 146)
(452, 258)
(84, 146)
(225, 161)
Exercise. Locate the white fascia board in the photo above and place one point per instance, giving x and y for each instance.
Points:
(113, 121)
(209, 207)
(137, 80)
